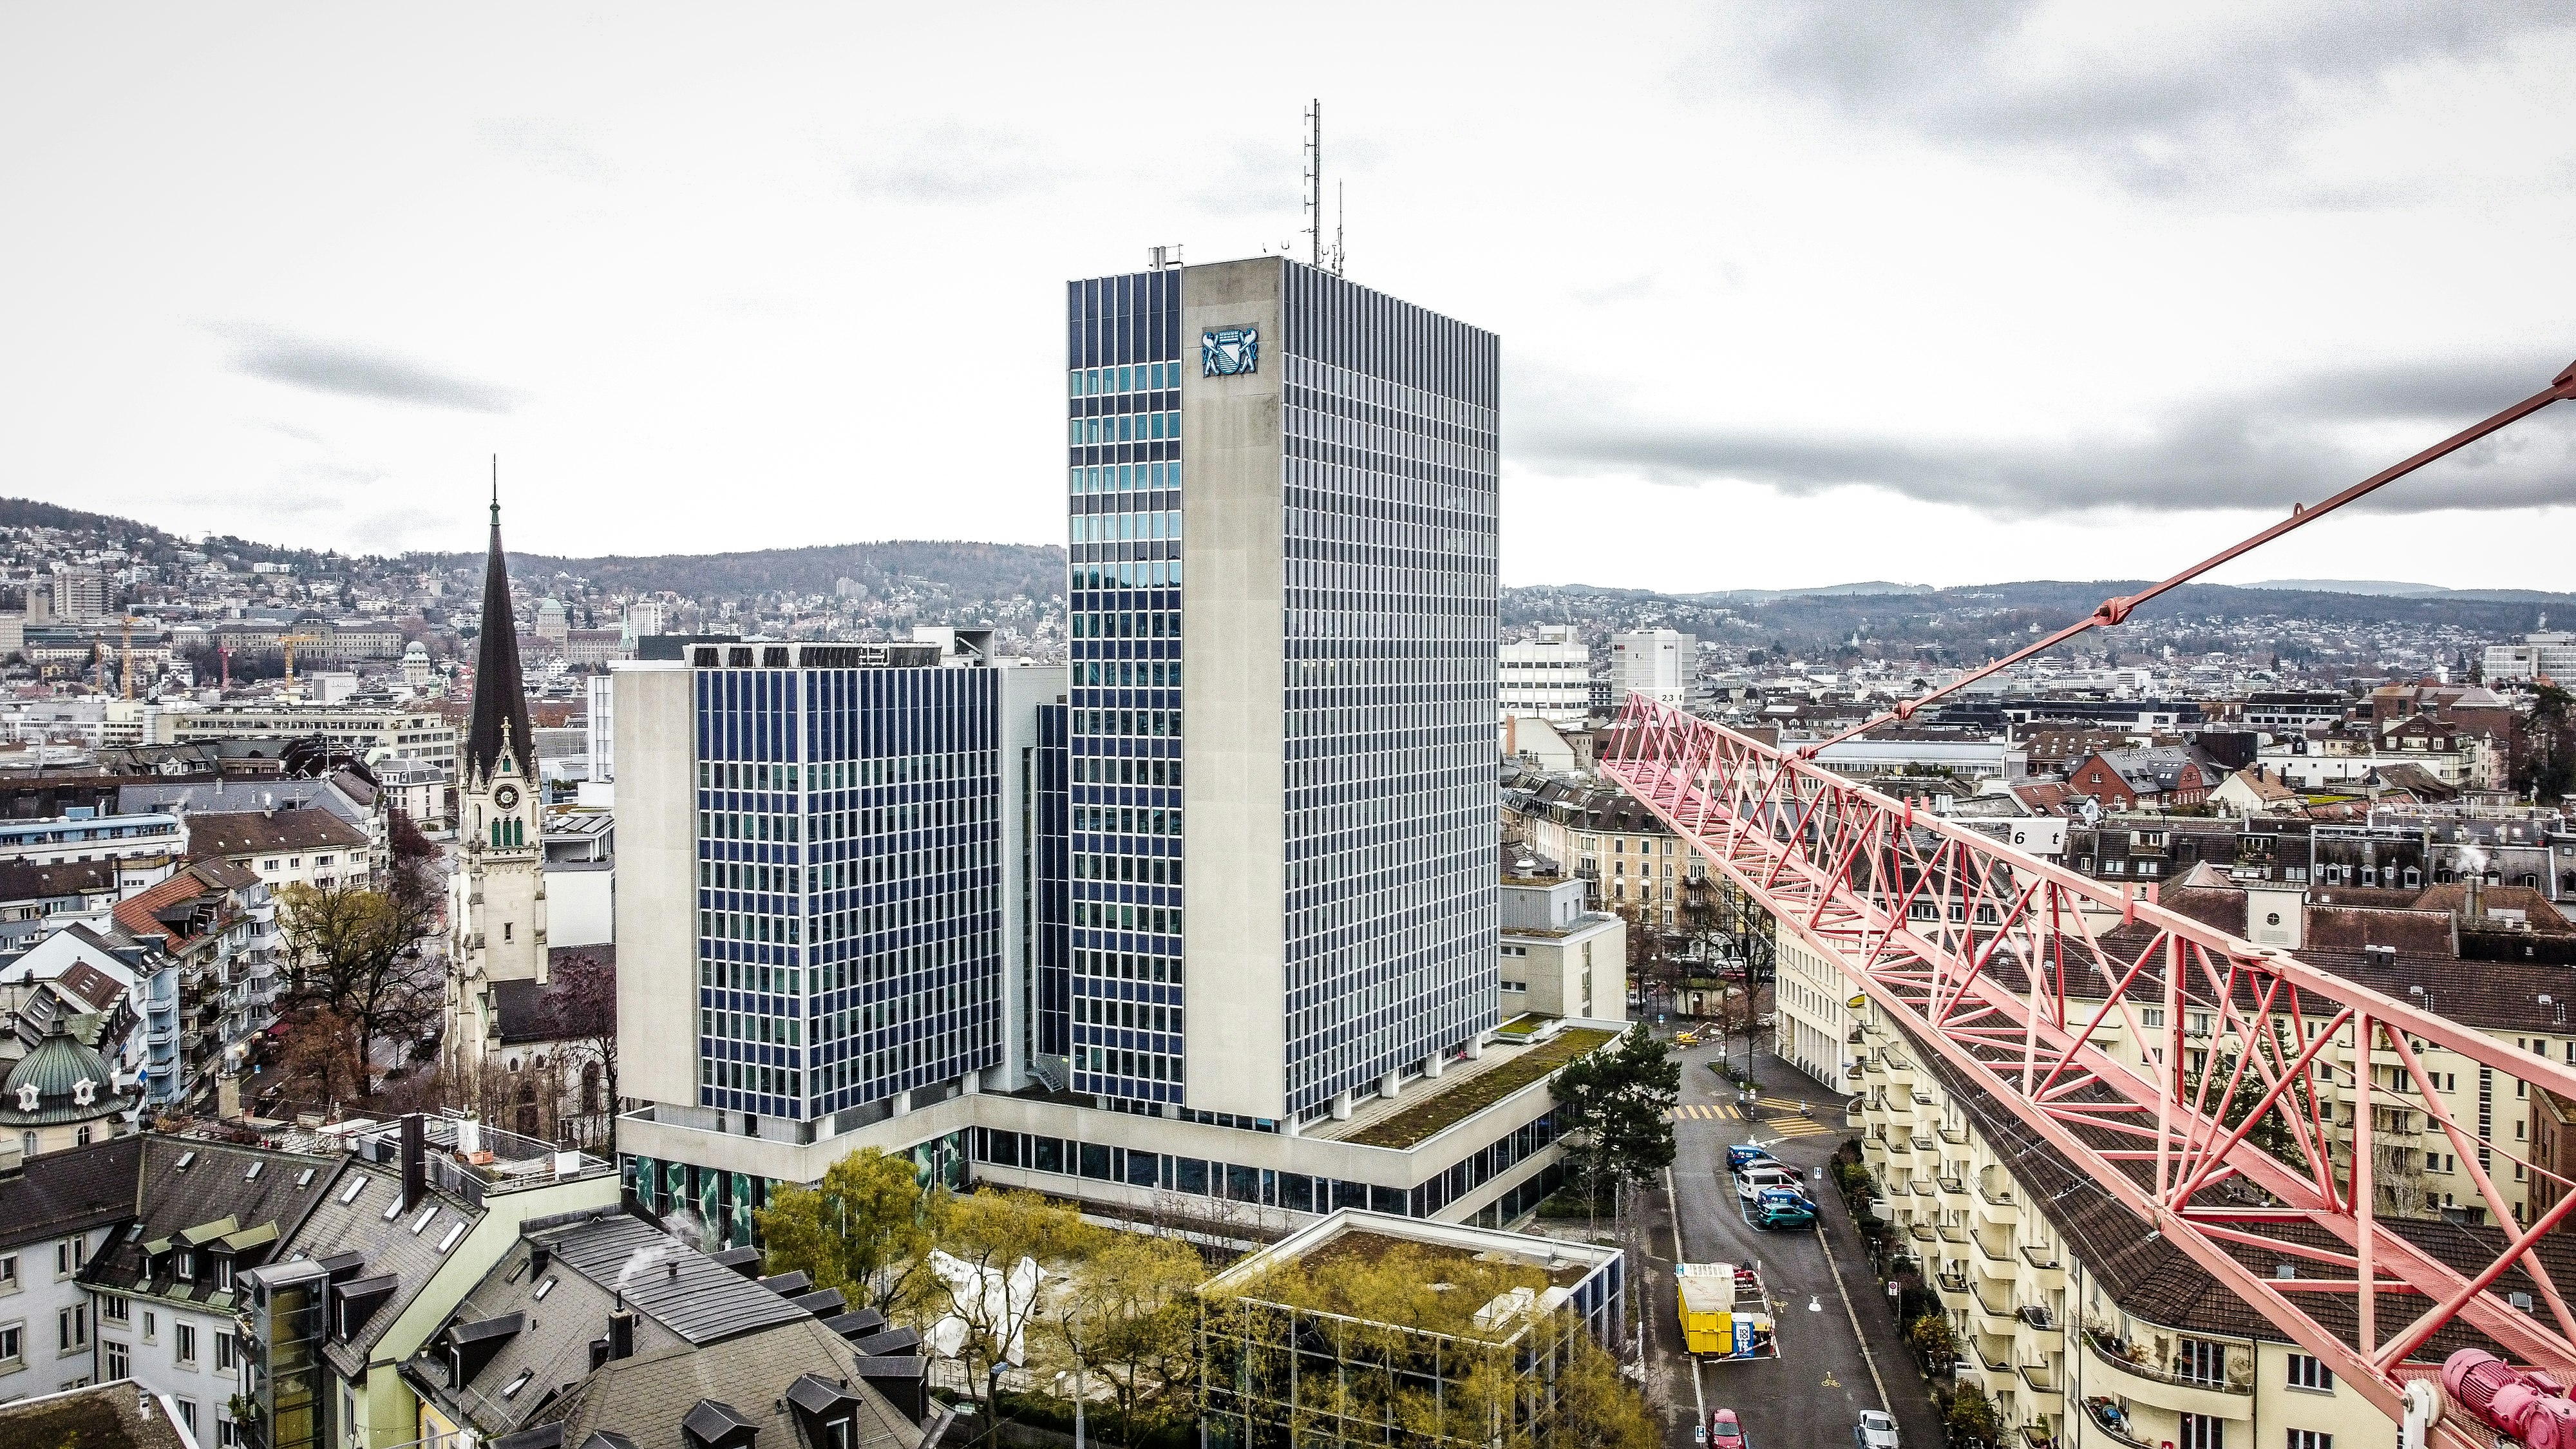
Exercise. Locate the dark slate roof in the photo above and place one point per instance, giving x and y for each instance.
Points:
(386, 1247)
(217, 1184)
(646, 1398)
(20, 881)
(500, 693)
(249, 832)
(74, 1190)
(528, 1012)
(703, 1301)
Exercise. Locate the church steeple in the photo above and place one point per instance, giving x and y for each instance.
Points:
(500, 717)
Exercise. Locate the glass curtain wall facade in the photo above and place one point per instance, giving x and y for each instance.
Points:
(1049, 989)
(848, 879)
(1393, 627)
(1124, 722)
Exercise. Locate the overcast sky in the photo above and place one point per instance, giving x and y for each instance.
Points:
(1788, 295)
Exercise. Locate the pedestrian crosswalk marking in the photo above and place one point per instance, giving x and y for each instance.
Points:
(1784, 1121)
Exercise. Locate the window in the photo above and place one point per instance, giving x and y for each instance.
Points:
(9, 1273)
(227, 1352)
(71, 1327)
(13, 1343)
(2201, 1431)
(120, 1360)
(2201, 1361)
(188, 1414)
(2307, 1373)
(184, 1338)
(115, 1310)
(2310, 1439)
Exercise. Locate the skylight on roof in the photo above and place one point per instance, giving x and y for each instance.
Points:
(545, 1286)
(511, 1391)
(304, 1178)
(393, 1209)
(455, 1230)
(422, 1221)
(184, 1159)
(350, 1193)
(252, 1173)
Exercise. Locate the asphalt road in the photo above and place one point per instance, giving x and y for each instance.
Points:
(1811, 1396)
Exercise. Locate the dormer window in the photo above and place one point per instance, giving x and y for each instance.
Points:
(84, 1092)
(185, 1264)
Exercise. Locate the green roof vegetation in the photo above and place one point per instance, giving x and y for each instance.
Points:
(1523, 1024)
(1455, 1104)
(1417, 1287)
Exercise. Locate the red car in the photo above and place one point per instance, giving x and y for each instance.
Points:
(1724, 1432)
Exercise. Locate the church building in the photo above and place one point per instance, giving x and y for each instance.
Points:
(497, 891)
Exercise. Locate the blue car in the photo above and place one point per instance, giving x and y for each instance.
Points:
(1744, 1154)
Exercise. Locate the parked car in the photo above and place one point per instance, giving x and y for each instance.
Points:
(1724, 1432)
(1742, 1155)
(1750, 1183)
(1783, 1207)
(1877, 1430)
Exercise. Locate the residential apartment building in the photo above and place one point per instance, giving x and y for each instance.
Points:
(1631, 862)
(57, 1213)
(83, 834)
(1560, 957)
(1548, 677)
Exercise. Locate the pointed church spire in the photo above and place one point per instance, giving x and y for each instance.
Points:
(500, 718)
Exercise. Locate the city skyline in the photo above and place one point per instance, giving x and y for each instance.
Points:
(573, 256)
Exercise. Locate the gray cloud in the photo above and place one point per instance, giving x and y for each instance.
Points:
(357, 372)
(949, 162)
(2269, 449)
(2154, 119)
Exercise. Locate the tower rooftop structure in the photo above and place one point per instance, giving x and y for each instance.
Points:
(500, 716)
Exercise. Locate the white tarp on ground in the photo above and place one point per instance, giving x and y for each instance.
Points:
(988, 1296)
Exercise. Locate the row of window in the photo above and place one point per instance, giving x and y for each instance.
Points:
(1126, 527)
(1125, 428)
(1142, 377)
(1104, 478)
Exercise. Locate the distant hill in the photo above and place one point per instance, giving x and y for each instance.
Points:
(968, 570)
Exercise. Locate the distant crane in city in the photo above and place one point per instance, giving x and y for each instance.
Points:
(288, 643)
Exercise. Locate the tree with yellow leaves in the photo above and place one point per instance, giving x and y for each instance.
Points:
(865, 1229)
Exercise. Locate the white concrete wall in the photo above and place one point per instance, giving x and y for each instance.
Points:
(656, 926)
(1234, 704)
(581, 904)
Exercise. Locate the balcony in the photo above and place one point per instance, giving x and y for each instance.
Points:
(1954, 1133)
(1924, 1142)
(2005, 1316)
(2041, 1379)
(2159, 1387)
(2002, 1253)
(1955, 1185)
(2113, 1424)
(1950, 1282)
(2044, 1262)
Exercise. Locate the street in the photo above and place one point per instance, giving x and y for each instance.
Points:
(1811, 1396)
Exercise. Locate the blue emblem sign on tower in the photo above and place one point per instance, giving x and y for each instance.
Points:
(1227, 351)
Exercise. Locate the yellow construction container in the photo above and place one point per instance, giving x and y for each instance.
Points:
(1707, 1306)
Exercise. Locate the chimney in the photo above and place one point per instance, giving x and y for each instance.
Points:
(415, 1166)
(2473, 901)
(538, 1256)
(621, 1332)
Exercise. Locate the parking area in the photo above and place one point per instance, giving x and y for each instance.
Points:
(1812, 1395)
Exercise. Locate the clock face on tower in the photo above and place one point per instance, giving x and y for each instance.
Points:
(506, 797)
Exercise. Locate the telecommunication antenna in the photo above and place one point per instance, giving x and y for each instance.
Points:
(1314, 179)
(1316, 256)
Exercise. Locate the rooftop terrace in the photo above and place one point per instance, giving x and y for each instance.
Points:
(1433, 1105)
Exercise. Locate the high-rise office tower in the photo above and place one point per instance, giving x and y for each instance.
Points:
(1282, 491)
(821, 829)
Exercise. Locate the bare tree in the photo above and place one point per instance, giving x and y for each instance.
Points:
(355, 953)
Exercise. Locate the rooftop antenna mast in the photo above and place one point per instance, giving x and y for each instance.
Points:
(1314, 183)
(1314, 198)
